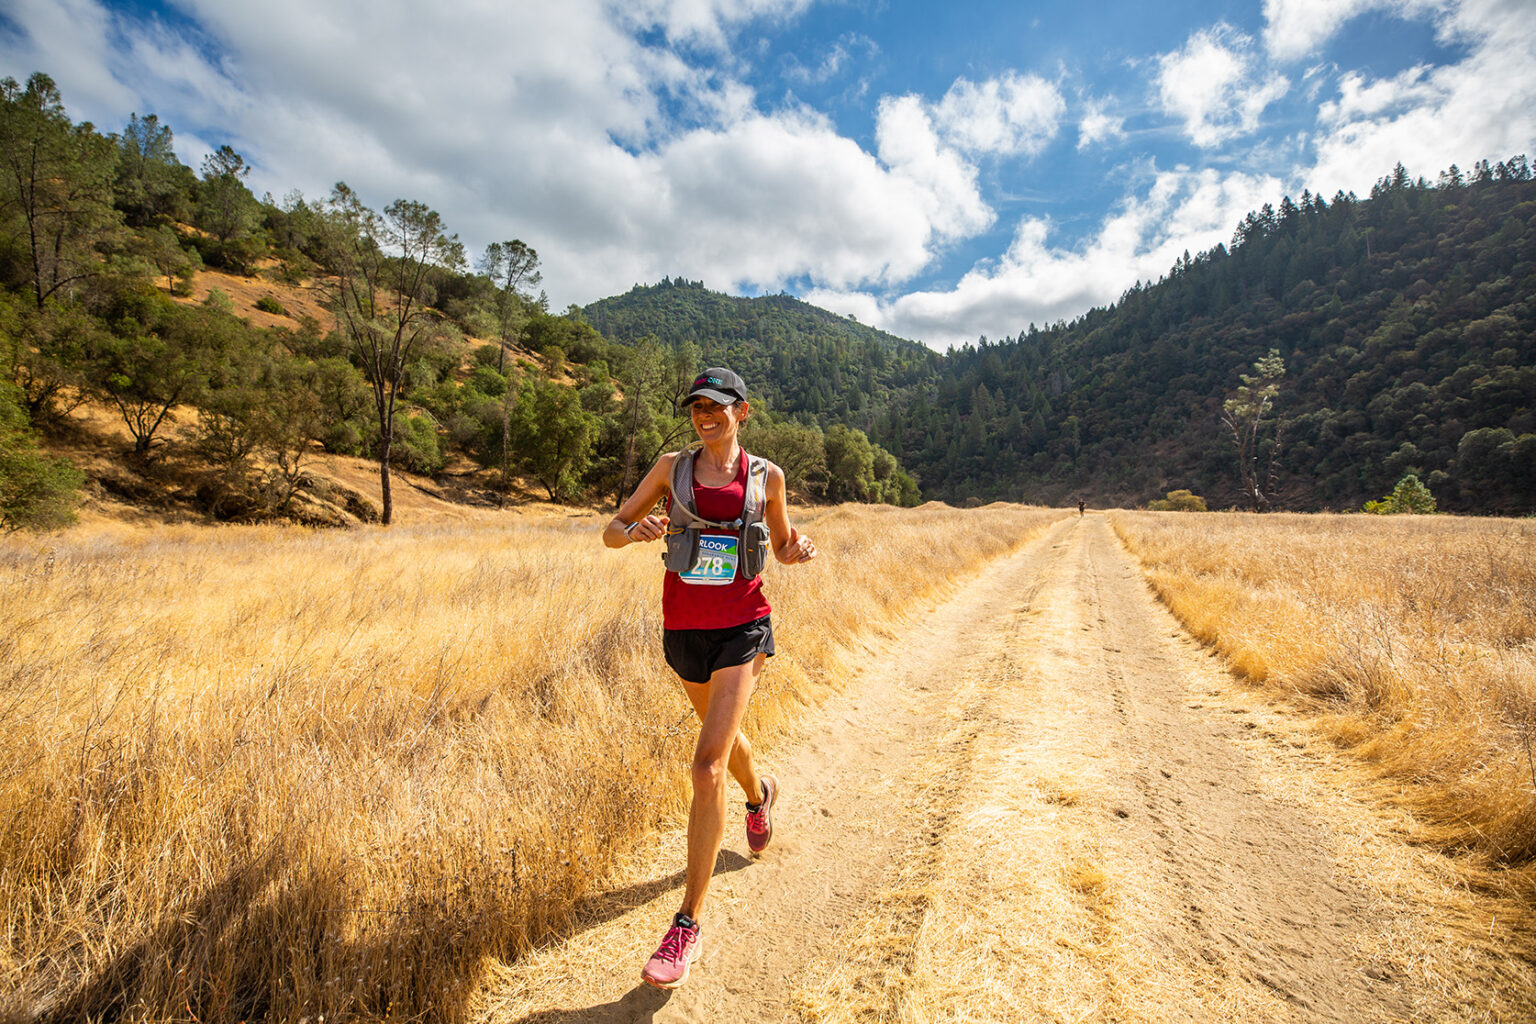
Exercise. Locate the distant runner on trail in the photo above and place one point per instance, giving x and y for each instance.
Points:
(1081, 504)
(724, 510)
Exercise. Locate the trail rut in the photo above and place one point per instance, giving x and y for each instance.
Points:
(1040, 802)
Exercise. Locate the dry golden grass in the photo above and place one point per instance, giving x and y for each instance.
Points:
(254, 772)
(1412, 638)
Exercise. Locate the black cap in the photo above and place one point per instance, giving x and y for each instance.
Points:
(718, 385)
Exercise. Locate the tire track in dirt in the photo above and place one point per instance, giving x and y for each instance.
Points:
(1112, 856)
(1255, 898)
(1041, 802)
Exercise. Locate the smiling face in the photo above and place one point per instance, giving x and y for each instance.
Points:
(713, 421)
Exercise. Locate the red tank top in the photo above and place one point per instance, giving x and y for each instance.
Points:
(697, 606)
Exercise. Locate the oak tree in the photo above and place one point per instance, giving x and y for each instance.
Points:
(55, 188)
(381, 295)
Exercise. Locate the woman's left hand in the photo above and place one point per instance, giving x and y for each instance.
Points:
(799, 549)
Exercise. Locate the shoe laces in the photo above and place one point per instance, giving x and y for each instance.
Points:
(757, 820)
(675, 941)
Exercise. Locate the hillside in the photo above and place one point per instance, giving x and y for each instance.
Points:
(174, 342)
(233, 341)
(801, 359)
(1407, 326)
(1404, 321)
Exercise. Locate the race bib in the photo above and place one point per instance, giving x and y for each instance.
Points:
(717, 562)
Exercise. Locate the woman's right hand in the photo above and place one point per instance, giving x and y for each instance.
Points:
(647, 528)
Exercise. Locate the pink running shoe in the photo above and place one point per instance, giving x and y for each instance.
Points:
(759, 820)
(668, 967)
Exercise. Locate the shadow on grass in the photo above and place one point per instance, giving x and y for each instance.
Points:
(239, 948)
(641, 1002)
(603, 907)
(638, 1004)
(215, 916)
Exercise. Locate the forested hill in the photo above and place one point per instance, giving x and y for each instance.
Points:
(799, 358)
(1407, 326)
(1405, 322)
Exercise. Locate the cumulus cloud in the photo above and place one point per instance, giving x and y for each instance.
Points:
(1429, 118)
(625, 143)
(1011, 114)
(777, 197)
(1035, 281)
(620, 158)
(1214, 86)
(1360, 97)
(910, 146)
(1096, 126)
(1298, 28)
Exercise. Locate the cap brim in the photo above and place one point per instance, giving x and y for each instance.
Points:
(719, 397)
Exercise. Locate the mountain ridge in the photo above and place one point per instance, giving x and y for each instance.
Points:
(1404, 319)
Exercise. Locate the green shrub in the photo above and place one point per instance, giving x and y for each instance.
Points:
(488, 382)
(269, 304)
(219, 301)
(349, 437)
(1178, 501)
(1409, 496)
(491, 355)
(415, 446)
(36, 492)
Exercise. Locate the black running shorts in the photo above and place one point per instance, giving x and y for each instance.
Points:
(697, 654)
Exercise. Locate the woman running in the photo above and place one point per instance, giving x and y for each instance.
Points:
(724, 508)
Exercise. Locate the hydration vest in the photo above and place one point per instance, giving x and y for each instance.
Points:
(687, 526)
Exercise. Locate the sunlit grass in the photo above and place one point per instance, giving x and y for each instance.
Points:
(272, 772)
(1412, 638)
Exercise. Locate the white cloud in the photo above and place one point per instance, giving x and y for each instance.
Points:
(832, 64)
(1294, 29)
(1214, 86)
(777, 197)
(1298, 28)
(1012, 114)
(1097, 126)
(619, 161)
(1360, 98)
(1180, 210)
(911, 148)
(69, 40)
(707, 23)
(1429, 118)
(864, 307)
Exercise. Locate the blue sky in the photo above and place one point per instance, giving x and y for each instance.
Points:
(944, 171)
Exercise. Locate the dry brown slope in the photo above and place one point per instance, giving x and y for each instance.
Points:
(1040, 804)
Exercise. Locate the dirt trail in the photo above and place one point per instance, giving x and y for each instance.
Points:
(1043, 803)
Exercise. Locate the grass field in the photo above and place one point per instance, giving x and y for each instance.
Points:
(1411, 638)
(252, 772)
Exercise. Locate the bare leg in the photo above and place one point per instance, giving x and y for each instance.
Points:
(743, 769)
(729, 691)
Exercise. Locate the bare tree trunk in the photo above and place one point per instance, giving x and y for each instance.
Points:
(1251, 467)
(506, 455)
(1269, 470)
(629, 454)
(385, 443)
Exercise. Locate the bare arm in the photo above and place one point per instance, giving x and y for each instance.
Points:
(634, 523)
(789, 546)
